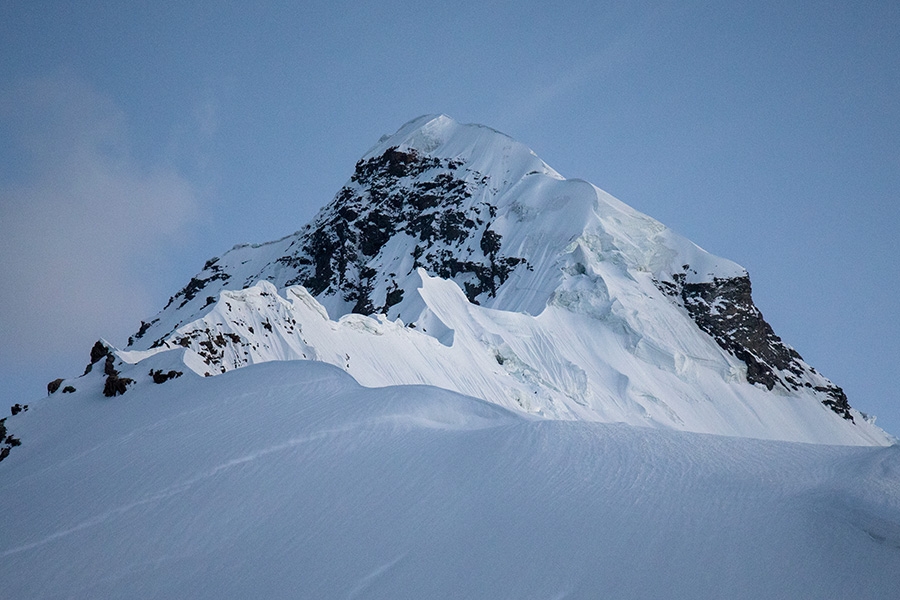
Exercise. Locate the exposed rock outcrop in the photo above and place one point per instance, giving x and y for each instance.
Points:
(114, 384)
(54, 385)
(161, 377)
(402, 192)
(724, 309)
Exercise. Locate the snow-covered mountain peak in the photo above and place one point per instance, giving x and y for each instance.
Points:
(482, 148)
(454, 256)
(517, 367)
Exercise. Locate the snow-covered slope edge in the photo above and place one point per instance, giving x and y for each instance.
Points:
(561, 364)
(288, 480)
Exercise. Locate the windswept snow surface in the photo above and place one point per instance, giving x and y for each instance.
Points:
(289, 480)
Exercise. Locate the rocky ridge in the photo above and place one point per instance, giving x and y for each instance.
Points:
(724, 309)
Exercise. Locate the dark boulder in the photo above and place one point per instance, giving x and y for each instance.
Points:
(98, 351)
(161, 377)
(116, 386)
(54, 385)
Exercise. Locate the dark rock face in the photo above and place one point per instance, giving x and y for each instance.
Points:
(210, 345)
(426, 203)
(161, 377)
(7, 440)
(194, 287)
(54, 385)
(114, 384)
(98, 351)
(143, 329)
(724, 309)
(399, 192)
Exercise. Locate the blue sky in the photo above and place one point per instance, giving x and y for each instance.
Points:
(138, 140)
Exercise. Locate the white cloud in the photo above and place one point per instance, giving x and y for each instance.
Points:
(77, 219)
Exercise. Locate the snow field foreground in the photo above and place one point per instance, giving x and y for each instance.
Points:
(289, 480)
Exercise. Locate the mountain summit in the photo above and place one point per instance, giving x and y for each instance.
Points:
(455, 257)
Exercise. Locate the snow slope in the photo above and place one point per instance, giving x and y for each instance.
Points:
(558, 365)
(538, 293)
(289, 480)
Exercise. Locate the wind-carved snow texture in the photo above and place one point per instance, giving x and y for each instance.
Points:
(289, 480)
(560, 300)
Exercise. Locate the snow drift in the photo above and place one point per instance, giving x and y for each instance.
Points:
(289, 480)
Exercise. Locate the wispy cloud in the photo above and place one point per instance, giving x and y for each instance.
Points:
(78, 215)
(609, 55)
